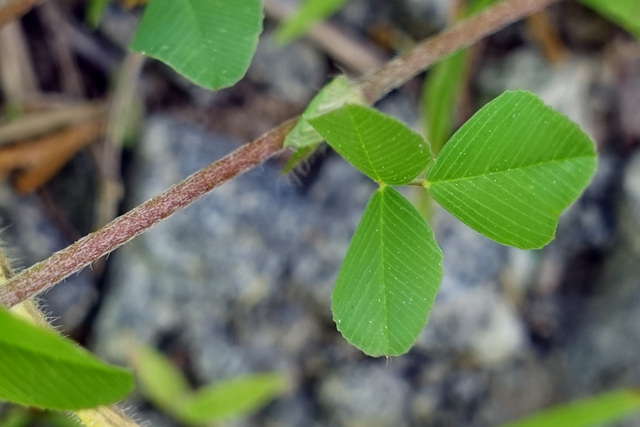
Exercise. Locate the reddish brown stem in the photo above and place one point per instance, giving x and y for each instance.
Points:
(124, 228)
(86, 250)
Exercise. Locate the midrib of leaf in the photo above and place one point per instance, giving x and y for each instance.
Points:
(503, 111)
(384, 269)
(364, 146)
(506, 111)
(506, 171)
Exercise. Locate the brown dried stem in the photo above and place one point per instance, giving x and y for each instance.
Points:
(86, 250)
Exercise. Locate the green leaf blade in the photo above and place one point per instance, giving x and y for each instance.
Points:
(231, 398)
(40, 369)
(381, 147)
(389, 278)
(211, 42)
(512, 169)
(592, 411)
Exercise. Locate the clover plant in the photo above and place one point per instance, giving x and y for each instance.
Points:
(508, 173)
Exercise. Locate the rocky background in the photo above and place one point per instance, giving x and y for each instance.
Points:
(240, 282)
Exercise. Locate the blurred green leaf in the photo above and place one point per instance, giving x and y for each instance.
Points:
(625, 13)
(39, 368)
(211, 42)
(164, 385)
(442, 87)
(15, 418)
(19, 416)
(512, 168)
(592, 411)
(95, 10)
(161, 382)
(231, 398)
(477, 6)
(440, 97)
(59, 419)
(310, 12)
(380, 146)
(389, 277)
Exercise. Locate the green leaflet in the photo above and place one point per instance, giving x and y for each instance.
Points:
(308, 14)
(389, 278)
(625, 13)
(592, 411)
(512, 169)
(211, 42)
(39, 368)
(381, 147)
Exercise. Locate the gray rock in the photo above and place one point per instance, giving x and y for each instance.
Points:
(628, 90)
(421, 18)
(603, 352)
(470, 314)
(242, 277)
(520, 388)
(194, 268)
(362, 395)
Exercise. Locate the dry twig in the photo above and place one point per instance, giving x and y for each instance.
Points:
(545, 34)
(17, 78)
(37, 124)
(54, 151)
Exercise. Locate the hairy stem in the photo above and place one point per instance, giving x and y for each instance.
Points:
(375, 85)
